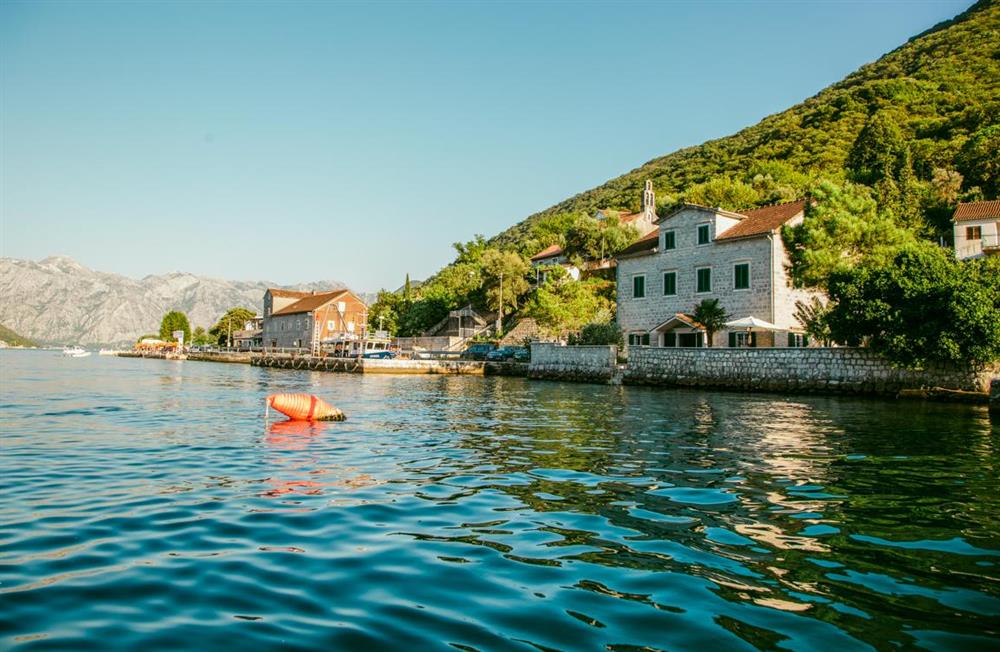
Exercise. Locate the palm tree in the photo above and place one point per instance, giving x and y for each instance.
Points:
(711, 316)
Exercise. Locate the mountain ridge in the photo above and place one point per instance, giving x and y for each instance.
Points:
(59, 300)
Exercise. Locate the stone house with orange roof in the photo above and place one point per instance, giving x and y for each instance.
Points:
(700, 253)
(302, 320)
(977, 229)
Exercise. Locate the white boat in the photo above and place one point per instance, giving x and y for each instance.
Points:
(108, 352)
(75, 352)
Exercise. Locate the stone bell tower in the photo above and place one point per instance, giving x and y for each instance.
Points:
(649, 202)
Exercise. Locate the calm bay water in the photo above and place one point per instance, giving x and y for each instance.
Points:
(146, 505)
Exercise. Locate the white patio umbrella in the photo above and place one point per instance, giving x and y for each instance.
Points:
(751, 323)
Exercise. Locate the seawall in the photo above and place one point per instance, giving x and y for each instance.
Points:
(386, 366)
(825, 370)
(574, 363)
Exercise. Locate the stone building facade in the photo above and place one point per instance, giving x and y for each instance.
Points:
(709, 253)
(336, 315)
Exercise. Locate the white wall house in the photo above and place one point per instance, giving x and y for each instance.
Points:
(977, 229)
(709, 253)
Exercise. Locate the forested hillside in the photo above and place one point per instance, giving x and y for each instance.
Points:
(942, 87)
(919, 128)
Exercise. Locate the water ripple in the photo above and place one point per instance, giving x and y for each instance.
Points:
(145, 505)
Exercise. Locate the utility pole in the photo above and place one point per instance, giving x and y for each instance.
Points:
(500, 314)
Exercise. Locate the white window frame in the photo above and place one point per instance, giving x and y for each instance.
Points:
(698, 269)
(749, 276)
(644, 287)
(664, 279)
(708, 226)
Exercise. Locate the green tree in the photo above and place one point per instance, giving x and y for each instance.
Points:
(724, 192)
(601, 333)
(919, 306)
(813, 315)
(590, 239)
(407, 290)
(711, 316)
(880, 158)
(174, 321)
(979, 161)
(562, 306)
(199, 337)
(879, 151)
(384, 313)
(841, 227)
(505, 276)
(232, 321)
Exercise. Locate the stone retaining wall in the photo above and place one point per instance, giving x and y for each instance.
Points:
(835, 370)
(577, 363)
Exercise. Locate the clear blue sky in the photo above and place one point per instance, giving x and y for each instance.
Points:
(316, 140)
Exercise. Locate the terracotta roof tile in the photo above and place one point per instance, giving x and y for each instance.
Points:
(977, 210)
(310, 302)
(760, 221)
(548, 252)
(280, 292)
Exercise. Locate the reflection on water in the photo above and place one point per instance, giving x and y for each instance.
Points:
(146, 504)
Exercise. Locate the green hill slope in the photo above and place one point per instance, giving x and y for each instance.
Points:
(932, 108)
(942, 86)
(13, 339)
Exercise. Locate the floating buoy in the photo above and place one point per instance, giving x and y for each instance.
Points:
(302, 407)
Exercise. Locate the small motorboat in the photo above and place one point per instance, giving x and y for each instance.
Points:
(75, 352)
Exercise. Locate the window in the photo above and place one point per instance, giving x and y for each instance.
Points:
(703, 279)
(973, 233)
(703, 234)
(638, 339)
(639, 286)
(741, 276)
(742, 339)
(798, 340)
(670, 339)
(331, 325)
(669, 240)
(669, 283)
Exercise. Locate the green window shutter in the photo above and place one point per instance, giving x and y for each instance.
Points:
(805, 340)
(753, 339)
(704, 280)
(638, 287)
(669, 240)
(703, 234)
(741, 276)
(670, 339)
(732, 339)
(670, 283)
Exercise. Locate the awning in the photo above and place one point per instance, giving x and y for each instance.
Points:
(751, 323)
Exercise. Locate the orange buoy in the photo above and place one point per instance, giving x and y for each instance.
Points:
(302, 407)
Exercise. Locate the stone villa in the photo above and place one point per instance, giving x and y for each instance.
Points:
(977, 229)
(709, 253)
(304, 320)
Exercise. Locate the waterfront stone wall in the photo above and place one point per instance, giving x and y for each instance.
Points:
(369, 365)
(577, 363)
(835, 370)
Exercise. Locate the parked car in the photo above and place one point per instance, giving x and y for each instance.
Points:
(380, 355)
(478, 351)
(507, 353)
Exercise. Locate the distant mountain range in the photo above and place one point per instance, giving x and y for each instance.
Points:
(59, 301)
